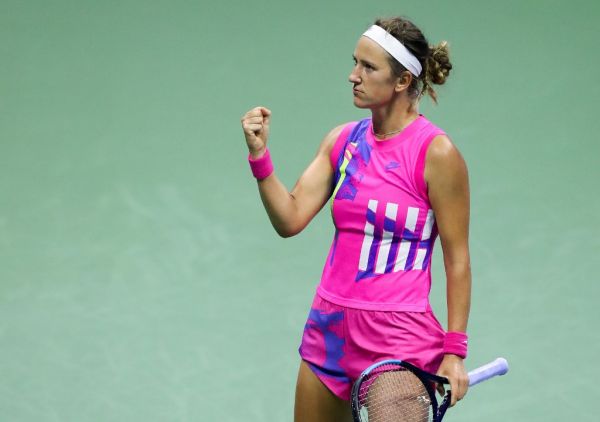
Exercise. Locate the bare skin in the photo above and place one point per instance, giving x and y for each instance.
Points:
(315, 403)
(375, 88)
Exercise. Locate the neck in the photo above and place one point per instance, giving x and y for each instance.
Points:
(393, 117)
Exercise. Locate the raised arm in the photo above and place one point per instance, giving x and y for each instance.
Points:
(448, 184)
(290, 212)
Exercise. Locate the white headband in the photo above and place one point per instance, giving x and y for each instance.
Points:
(397, 50)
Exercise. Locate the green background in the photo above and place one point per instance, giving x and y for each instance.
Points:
(140, 279)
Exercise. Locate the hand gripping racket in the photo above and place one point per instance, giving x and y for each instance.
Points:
(396, 391)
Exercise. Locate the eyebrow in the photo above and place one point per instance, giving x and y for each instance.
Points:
(363, 61)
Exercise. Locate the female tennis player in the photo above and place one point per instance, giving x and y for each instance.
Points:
(395, 181)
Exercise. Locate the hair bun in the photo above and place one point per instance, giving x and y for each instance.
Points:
(438, 63)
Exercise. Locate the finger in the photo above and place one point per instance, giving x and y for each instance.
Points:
(460, 390)
(455, 391)
(441, 389)
(260, 111)
(253, 120)
(252, 128)
(463, 386)
(266, 113)
(255, 112)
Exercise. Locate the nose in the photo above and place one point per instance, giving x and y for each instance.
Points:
(354, 78)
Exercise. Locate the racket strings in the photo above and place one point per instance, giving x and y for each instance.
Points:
(393, 394)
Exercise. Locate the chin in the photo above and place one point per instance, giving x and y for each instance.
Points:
(359, 104)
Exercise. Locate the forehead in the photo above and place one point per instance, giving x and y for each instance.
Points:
(367, 49)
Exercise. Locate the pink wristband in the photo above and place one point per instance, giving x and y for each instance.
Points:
(455, 343)
(261, 167)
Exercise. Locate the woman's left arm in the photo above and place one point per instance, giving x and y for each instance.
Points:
(448, 187)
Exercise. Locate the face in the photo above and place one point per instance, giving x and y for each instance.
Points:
(373, 81)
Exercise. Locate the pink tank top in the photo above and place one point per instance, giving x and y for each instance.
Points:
(380, 258)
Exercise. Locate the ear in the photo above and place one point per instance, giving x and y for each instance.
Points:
(403, 81)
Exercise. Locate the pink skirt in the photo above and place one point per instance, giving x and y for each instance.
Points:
(340, 342)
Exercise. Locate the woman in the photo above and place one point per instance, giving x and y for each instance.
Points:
(395, 182)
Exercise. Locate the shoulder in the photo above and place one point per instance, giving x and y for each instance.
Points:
(443, 159)
(441, 147)
(338, 132)
(333, 135)
(334, 140)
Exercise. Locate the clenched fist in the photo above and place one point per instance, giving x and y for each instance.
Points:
(255, 124)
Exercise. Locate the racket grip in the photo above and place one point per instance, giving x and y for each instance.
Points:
(485, 372)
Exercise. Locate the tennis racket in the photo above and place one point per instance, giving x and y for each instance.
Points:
(396, 391)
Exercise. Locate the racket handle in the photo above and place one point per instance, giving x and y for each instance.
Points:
(485, 372)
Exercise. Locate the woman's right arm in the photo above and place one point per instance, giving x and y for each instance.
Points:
(290, 212)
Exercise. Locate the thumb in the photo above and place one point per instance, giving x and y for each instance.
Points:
(441, 389)
(266, 115)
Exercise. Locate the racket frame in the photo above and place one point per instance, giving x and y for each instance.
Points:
(426, 378)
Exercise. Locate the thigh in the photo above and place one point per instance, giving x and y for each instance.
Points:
(315, 403)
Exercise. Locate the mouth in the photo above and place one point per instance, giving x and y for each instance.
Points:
(356, 91)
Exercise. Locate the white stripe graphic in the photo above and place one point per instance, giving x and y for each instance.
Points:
(419, 259)
(428, 225)
(403, 251)
(411, 223)
(391, 210)
(421, 253)
(411, 218)
(368, 239)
